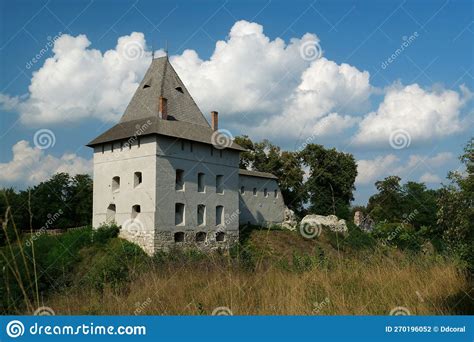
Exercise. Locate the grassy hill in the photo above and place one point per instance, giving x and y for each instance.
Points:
(275, 272)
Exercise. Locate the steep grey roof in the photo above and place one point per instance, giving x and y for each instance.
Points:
(162, 80)
(141, 117)
(155, 125)
(256, 174)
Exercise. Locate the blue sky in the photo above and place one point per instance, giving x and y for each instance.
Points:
(327, 99)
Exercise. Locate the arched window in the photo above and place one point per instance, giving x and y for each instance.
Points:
(200, 236)
(136, 209)
(137, 179)
(115, 183)
(110, 216)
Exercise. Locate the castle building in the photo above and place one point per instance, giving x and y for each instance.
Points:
(170, 179)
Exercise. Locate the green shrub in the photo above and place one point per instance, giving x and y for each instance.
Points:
(358, 239)
(105, 232)
(400, 235)
(114, 266)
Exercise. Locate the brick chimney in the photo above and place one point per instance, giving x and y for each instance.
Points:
(214, 120)
(163, 111)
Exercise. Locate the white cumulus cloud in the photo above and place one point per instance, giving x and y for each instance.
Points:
(371, 170)
(430, 178)
(31, 165)
(78, 82)
(423, 114)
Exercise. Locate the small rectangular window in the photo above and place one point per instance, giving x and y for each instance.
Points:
(138, 141)
(201, 215)
(191, 146)
(179, 237)
(182, 145)
(212, 150)
(201, 186)
(103, 148)
(219, 215)
(220, 153)
(220, 184)
(265, 192)
(179, 180)
(276, 194)
(255, 191)
(179, 214)
(137, 179)
(242, 190)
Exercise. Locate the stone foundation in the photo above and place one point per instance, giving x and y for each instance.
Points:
(152, 242)
(164, 240)
(144, 239)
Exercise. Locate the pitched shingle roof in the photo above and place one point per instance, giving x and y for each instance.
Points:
(155, 125)
(162, 80)
(185, 120)
(244, 172)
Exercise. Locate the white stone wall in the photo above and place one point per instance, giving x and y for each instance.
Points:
(173, 154)
(124, 162)
(258, 209)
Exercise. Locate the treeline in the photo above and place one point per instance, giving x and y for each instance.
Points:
(408, 216)
(313, 180)
(62, 201)
(326, 189)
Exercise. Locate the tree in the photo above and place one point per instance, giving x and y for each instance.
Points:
(456, 209)
(330, 184)
(409, 203)
(59, 202)
(386, 205)
(266, 157)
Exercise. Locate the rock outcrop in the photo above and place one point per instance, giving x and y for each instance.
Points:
(289, 222)
(365, 223)
(331, 221)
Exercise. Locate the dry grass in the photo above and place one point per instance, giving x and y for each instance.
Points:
(349, 286)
